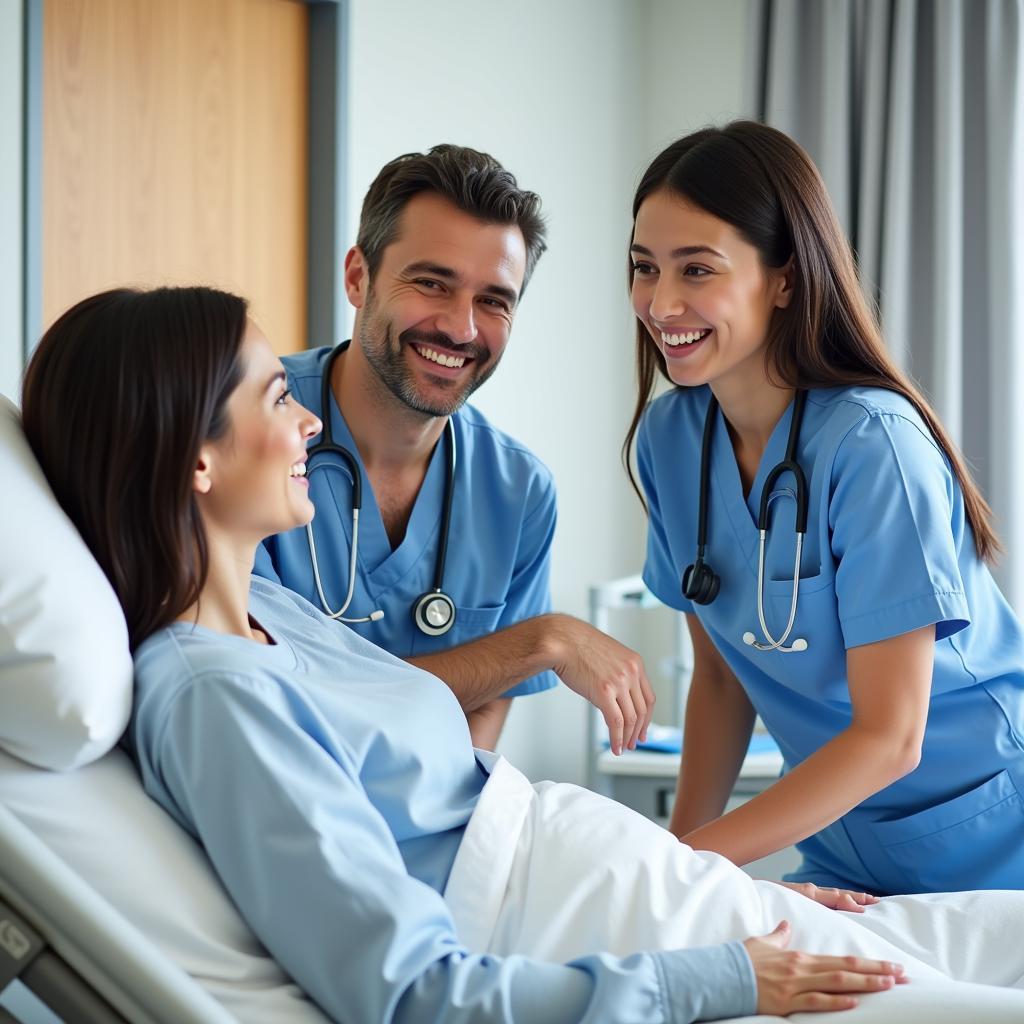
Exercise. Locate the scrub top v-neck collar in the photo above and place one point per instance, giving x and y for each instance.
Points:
(381, 566)
(743, 511)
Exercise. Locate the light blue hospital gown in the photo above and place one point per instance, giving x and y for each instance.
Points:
(498, 564)
(331, 784)
(888, 550)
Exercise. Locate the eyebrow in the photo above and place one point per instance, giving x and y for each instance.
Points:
(510, 295)
(684, 250)
(280, 375)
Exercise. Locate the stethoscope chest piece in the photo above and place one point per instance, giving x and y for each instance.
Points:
(700, 582)
(434, 613)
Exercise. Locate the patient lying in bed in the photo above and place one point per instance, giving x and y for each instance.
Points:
(395, 873)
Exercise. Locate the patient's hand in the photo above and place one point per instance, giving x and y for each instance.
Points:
(837, 899)
(789, 981)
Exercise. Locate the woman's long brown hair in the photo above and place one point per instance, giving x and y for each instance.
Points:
(118, 398)
(762, 183)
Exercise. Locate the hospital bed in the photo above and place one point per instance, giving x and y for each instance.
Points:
(109, 912)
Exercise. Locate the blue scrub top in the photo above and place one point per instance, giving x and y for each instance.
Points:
(498, 564)
(888, 550)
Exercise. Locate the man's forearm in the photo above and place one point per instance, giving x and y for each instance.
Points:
(481, 670)
(590, 663)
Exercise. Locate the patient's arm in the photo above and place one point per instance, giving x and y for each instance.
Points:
(315, 870)
(890, 683)
(719, 720)
(609, 675)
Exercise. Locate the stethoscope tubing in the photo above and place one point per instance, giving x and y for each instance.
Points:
(326, 445)
(702, 571)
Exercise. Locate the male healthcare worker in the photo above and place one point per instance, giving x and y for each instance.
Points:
(447, 242)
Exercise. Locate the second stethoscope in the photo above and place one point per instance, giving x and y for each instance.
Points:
(433, 612)
(700, 583)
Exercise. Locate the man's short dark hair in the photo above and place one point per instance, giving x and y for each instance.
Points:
(474, 182)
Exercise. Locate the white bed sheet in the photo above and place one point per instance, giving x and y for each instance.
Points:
(100, 822)
(556, 872)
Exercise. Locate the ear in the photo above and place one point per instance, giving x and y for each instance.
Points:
(356, 277)
(785, 283)
(202, 479)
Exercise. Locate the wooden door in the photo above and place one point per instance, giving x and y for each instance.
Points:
(175, 151)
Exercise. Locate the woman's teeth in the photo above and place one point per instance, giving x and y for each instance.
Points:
(437, 357)
(686, 338)
(299, 469)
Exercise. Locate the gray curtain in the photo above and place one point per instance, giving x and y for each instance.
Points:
(914, 112)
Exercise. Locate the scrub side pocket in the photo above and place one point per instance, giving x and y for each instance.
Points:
(974, 841)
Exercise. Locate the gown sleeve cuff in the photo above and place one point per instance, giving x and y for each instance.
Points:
(710, 983)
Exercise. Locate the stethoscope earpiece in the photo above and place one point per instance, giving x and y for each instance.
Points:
(799, 644)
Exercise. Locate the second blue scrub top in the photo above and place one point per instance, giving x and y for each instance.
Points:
(888, 550)
(498, 563)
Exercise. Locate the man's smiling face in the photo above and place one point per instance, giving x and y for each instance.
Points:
(435, 318)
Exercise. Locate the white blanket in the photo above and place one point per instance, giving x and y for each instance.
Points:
(555, 872)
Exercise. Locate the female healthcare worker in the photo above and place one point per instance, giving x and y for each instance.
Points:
(886, 664)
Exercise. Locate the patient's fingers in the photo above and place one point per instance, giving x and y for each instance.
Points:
(789, 980)
(857, 964)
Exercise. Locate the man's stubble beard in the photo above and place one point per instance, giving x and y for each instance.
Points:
(386, 359)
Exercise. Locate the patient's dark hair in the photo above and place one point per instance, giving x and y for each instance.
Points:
(119, 396)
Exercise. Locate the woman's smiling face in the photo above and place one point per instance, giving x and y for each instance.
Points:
(702, 291)
(252, 480)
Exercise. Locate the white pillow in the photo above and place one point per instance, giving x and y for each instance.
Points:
(101, 823)
(65, 669)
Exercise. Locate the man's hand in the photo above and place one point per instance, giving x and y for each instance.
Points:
(837, 899)
(788, 981)
(607, 674)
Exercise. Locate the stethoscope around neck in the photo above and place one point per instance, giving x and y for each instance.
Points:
(701, 584)
(433, 612)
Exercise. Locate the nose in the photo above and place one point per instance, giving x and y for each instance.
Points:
(457, 320)
(667, 301)
(309, 422)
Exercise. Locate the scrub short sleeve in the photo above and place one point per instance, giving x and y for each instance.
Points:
(529, 592)
(661, 574)
(894, 510)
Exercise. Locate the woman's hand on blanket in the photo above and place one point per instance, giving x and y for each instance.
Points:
(837, 899)
(789, 981)
(611, 676)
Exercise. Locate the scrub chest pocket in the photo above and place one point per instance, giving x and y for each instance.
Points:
(470, 624)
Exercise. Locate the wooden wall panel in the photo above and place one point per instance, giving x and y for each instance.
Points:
(175, 151)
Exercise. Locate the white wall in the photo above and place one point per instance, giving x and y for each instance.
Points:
(573, 97)
(10, 196)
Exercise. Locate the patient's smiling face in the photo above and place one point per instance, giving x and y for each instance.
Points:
(252, 480)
